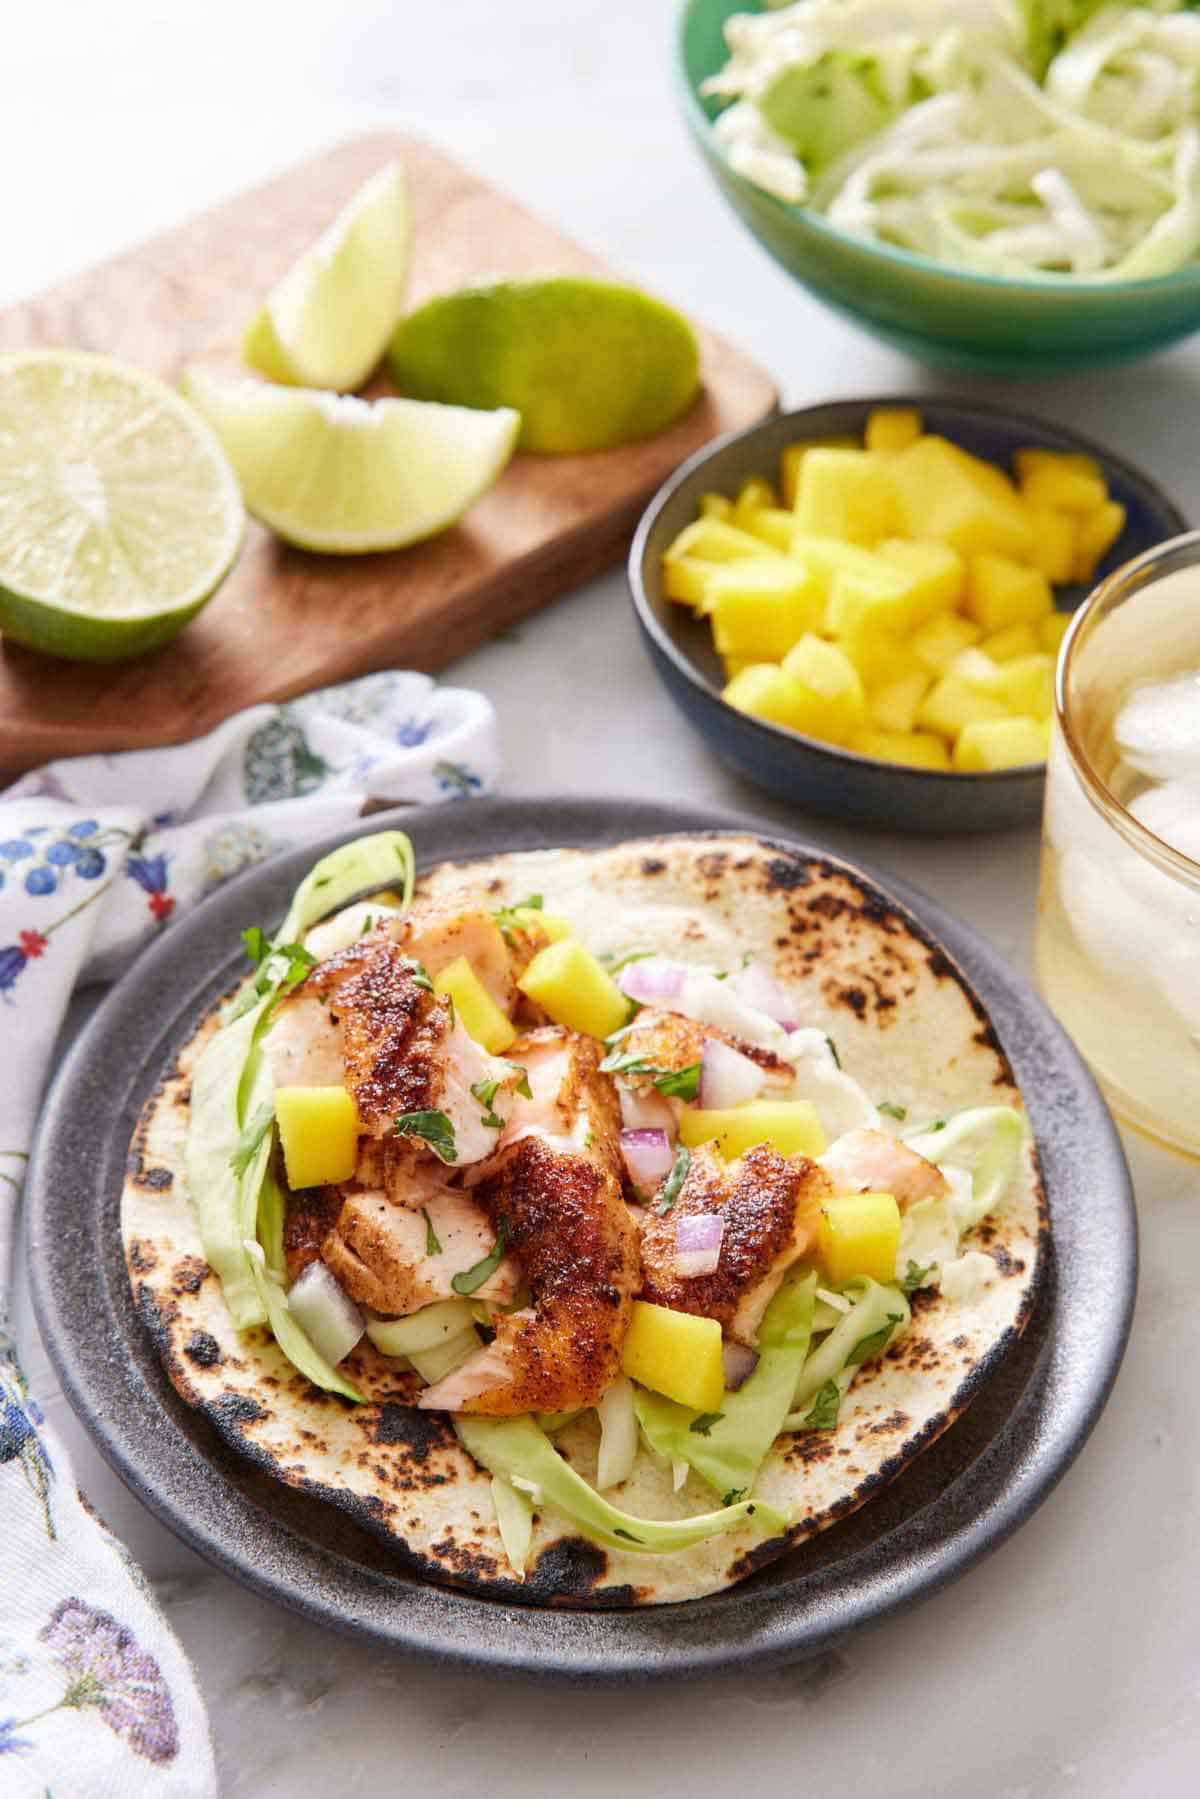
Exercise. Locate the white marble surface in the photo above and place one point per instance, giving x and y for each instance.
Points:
(1067, 1664)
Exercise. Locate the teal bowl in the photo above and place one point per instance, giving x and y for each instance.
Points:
(933, 312)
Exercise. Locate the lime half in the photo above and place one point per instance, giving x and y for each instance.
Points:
(588, 364)
(327, 322)
(330, 472)
(119, 512)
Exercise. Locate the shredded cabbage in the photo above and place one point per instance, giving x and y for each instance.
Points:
(1021, 138)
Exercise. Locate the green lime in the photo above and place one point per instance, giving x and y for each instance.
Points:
(119, 512)
(588, 364)
(327, 322)
(330, 472)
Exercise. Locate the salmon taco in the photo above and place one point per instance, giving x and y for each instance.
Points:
(638, 1210)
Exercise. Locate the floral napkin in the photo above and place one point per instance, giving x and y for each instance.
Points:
(99, 856)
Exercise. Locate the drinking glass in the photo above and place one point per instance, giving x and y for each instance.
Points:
(1118, 931)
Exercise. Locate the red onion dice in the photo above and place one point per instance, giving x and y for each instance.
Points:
(698, 1244)
(755, 987)
(648, 1157)
(740, 1364)
(652, 981)
(328, 1317)
(727, 1078)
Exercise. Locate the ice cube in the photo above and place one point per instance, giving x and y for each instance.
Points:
(1172, 812)
(1158, 728)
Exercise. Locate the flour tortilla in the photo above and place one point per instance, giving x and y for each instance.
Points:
(906, 1026)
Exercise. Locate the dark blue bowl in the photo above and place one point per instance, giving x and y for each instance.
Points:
(801, 770)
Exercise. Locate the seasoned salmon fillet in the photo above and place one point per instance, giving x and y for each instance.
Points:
(669, 1040)
(437, 934)
(771, 1206)
(871, 1161)
(383, 1254)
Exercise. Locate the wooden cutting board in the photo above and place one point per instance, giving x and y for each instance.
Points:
(286, 621)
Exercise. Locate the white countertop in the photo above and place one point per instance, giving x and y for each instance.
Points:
(1069, 1662)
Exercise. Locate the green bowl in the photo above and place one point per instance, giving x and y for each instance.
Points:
(938, 314)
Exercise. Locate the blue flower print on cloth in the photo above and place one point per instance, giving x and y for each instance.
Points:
(99, 856)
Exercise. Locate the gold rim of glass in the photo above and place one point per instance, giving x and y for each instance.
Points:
(1185, 551)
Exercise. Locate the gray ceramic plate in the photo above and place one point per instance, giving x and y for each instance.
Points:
(964, 1496)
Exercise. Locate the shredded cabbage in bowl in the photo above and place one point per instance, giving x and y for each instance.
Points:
(1023, 138)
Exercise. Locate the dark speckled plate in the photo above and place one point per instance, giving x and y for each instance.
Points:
(964, 1496)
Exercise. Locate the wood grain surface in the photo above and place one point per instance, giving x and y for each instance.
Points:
(286, 620)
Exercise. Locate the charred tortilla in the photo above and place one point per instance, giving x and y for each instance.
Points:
(908, 1028)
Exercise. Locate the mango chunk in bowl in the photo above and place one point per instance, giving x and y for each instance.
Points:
(859, 605)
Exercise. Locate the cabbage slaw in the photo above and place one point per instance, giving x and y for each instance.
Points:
(1049, 139)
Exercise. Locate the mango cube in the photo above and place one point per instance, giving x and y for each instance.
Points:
(790, 1125)
(761, 606)
(1051, 630)
(916, 749)
(764, 691)
(892, 428)
(848, 494)
(712, 540)
(772, 524)
(1026, 684)
(318, 1132)
(954, 498)
(791, 461)
(1054, 538)
(569, 984)
(683, 580)
(859, 1234)
(752, 496)
(953, 703)
(946, 635)
(716, 505)
(834, 703)
(675, 1353)
(935, 575)
(880, 656)
(1002, 593)
(1013, 641)
(550, 925)
(1001, 743)
(481, 1017)
(893, 707)
(1096, 533)
(1063, 481)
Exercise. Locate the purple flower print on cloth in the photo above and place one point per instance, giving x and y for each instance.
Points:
(106, 1668)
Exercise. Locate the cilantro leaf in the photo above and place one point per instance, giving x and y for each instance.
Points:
(915, 1277)
(257, 944)
(471, 1279)
(823, 1413)
(247, 1144)
(866, 1347)
(485, 1093)
(704, 1422)
(681, 1083)
(615, 964)
(434, 1128)
(734, 1495)
(675, 1180)
(432, 1246)
(420, 975)
(616, 1063)
(509, 917)
(891, 1110)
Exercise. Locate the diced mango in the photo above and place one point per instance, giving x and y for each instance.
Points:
(683, 580)
(318, 1131)
(892, 428)
(1026, 684)
(893, 707)
(715, 505)
(834, 702)
(551, 925)
(1014, 640)
(1051, 630)
(712, 540)
(1002, 593)
(773, 525)
(733, 665)
(568, 982)
(791, 1125)
(753, 495)
(953, 704)
(1096, 533)
(956, 499)
(481, 1017)
(848, 494)
(1065, 482)
(989, 744)
(936, 574)
(1054, 535)
(761, 607)
(977, 669)
(946, 635)
(880, 656)
(918, 749)
(765, 691)
(675, 1353)
(791, 461)
(859, 1234)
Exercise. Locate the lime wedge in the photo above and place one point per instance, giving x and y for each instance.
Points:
(119, 513)
(327, 322)
(330, 472)
(588, 364)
